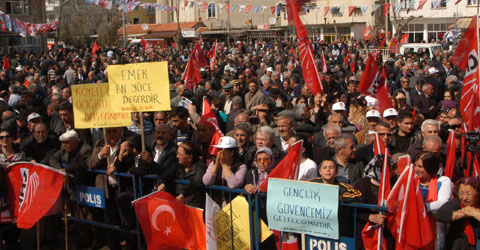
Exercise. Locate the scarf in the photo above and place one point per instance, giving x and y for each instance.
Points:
(468, 231)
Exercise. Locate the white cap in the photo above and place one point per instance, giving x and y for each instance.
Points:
(339, 106)
(226, 142)
(19, 68)
(33, 116)
(269, 69)
(390, 112)
(67, 136)
(432, 70)
(373, 113)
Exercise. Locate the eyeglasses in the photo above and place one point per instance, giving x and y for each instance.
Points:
(4, 137)
(467, 194)
(384, 134)
(455, 126)
(263, 160)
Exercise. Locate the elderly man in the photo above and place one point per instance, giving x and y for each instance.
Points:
(254, 96)
(330, 132)
(349, 170)
(373, 117)
(246, 148)
(40, 146)
(434, 144)
(265, 137)
(285, 125)
(333, 120)
(429, 127)
(426, 103)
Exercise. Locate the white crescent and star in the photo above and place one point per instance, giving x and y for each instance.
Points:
(158, 210)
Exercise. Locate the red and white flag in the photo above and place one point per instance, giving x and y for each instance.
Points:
(466, 58)
(351, 9)
(200, 59)
(451, 154)
(6, 64)
(378, 145)
(288, 240)
(324, 64)
(209, 119)
(94, 50)
(394, 47)
(288, 167)
(408, 222)
(403, 162)
(32, 189)
(368, 32)
(191, 76)
(404, 38)
(212, 54)
(146, 46)
(166, 221)
(421, 3)
(310, 72)
(375, 84)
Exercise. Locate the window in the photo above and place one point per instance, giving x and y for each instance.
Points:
(441, 3)
(436, 31)
(472, 2)
(279, 10)
(136, 20)
(20, 7)
(151, 20)
(150, 11)
(211, 11)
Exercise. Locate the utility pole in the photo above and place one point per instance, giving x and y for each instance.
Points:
(60, 16)
(125, 41)
(386, 21)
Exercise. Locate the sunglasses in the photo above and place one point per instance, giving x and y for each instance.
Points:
(4, 137)
(451, 126)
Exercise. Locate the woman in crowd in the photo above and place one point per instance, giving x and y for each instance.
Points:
(226, 169)
(10, 153)
(261, 168)
(308, 168)
(189, 168)
(436, 190)
(462, 213)
(357, 116)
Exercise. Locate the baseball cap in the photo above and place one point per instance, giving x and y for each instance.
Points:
(373, 113)
(67, 136)
(432, 70)
(228, 86)
(339, 106)
(33, 116)
(270, 69)
(390, 112)
(226, 142)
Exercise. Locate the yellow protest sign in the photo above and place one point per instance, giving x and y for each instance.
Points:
(241, 228)
(92, 108)
(139, 87)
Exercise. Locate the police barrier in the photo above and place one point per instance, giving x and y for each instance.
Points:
(90, 198)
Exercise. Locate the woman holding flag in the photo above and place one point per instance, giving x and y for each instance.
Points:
(462, 213)
(436, 191)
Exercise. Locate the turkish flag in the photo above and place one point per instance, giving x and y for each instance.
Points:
(384, 189)
(288, 240)
(192, 74)
(166, 221)
(408, 223)
(386, 7)
(324, 64)
(310, 72)
(378, 146)
(200, 60)
(451, 151)
(370, 236)
(466, 58)
(403, 162)
(288, 167)
(32, 189)
(374, 83)
(94, 49)
(6, 64)
(212, 54)
(209, 119)
(368, 32)
(146, 46)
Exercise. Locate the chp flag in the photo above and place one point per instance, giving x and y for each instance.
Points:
(374, 83)
(466, 58)
(32, 189)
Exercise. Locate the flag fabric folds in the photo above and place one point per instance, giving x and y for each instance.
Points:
(451, 154)
(324, 64)
(94, 50)
(32, 189)
(147, 47)
(6, 64)
(166, 221)
(374, 83)
(209, 119)
(211, 210)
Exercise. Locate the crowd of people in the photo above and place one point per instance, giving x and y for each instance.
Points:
(262, 106)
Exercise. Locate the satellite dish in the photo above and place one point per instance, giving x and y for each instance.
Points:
(272, 20)
(144, 26)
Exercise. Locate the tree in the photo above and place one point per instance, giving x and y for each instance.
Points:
(77, 32)
(107, 32)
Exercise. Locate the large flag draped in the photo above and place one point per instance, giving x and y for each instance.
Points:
(466, 58)
(200, 59)
(374, 83)
(192, 74)
(288, 167)
(146, 46)
(166, 221)
(32, 189)
(209, 119)
(310, 72)
(408, 223)
(451, 155)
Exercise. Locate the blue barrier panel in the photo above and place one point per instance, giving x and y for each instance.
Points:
(91, 196)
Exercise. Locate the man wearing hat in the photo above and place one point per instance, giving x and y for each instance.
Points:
(227, 96)
(390, 117)
(267, 75)
(373, 117)
(341, 109)
(33, 119)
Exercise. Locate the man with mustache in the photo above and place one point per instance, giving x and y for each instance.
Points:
(39, 146)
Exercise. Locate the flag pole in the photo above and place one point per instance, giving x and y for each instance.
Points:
(142, 133)
(66, 222)
(37, 227)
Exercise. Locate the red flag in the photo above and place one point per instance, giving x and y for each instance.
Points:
(146, 46)
(352, 66)
(408, 223)
(404, 38)
(384, 189)
(293, 7)
(368, 32)
(351, 9)
(166, 221)
(421, 3)
(192, 75)
(309, 67)
(174, 45)
(347, 58)
(212, 54)
(394, 47)
(288, 240)
(200, 60)
(32, 189)
(370, 236)
(209, 119)
(291, 51)
(248, 9)
(325, 10)
(414, 114)
(466, 58)
(324, 64)
(375, 83)
(94, 49)
(227, 7)
(403, 162)
(273, 8)
(451, 151)
(457, 2)
(378, 146)
(287, 168)
(386, 7)
(382, 43)
(6, 64)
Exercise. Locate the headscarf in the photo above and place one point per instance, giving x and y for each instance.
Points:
(263, 175)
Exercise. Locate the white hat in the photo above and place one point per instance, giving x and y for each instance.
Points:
(373, 113)
(33, 116)
(19, 68)
(67, 136)
(226, 142)
(339, 106)
(432, 70)
(269, 69)
(390, 112)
